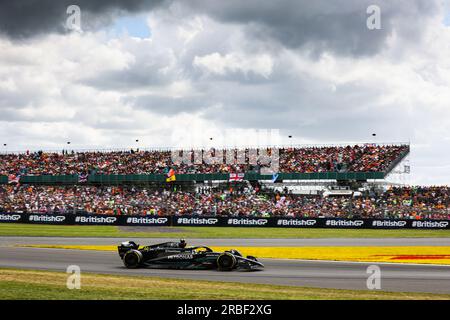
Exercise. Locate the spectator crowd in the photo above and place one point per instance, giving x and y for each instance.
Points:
(395, 203)
(358, 158)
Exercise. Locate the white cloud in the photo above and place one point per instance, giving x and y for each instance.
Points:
(197, 73)
(261, 64)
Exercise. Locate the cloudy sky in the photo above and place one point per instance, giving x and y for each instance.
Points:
(170, 73)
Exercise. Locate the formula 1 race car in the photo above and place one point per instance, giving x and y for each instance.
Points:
(175, 255)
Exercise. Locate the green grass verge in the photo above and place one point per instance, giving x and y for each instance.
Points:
(46, 285)
(16, 229)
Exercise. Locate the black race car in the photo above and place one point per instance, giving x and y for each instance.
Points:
(175, 255)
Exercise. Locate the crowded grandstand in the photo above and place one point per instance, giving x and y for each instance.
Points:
(357, 158)
(394, 203)
(211, 197)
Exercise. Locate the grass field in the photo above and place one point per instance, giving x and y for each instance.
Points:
(16, 229)
(24, 284)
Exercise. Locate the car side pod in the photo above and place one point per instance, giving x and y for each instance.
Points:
(132, 259)
(226, 261)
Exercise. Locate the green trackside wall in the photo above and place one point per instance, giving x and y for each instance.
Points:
(225, 177)
(152, 178)
(49, 179)
(319, 176)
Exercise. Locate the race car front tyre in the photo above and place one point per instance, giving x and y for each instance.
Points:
(226, 261)
(132, 259)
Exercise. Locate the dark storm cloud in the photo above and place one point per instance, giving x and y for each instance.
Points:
(27, 18)
(338, 26)
(322, 25)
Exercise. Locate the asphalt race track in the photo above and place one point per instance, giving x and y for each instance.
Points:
(324, 274)
(385, 242)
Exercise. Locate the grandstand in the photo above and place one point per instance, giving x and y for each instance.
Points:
(312, 181)
(358, 162)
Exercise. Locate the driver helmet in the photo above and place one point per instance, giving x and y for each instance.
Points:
(182, 243)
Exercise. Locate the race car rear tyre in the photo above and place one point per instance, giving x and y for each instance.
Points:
(226, 261)
(132, 259)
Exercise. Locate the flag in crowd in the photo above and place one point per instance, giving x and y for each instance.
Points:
(82, 178)
(237, 176)
(274, 177)
(171, 176)
(12, 178)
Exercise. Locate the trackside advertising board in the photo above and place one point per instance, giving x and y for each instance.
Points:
(79, 219)
(205, 221)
